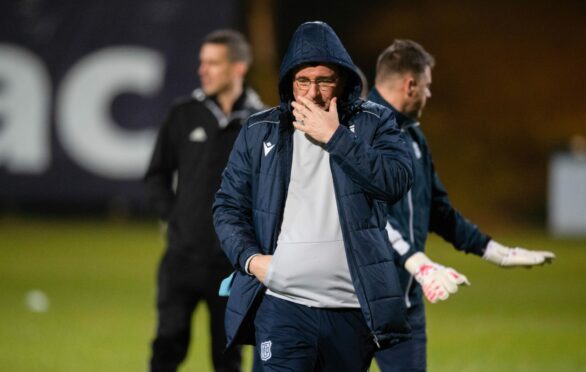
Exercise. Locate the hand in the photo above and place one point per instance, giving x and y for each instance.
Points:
(314, 121)
(511, 257)
(259, 266)
(437, 281)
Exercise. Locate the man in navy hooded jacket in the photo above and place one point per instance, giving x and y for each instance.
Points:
(300, 214)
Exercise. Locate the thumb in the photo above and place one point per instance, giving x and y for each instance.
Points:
(334, 105)
(457, 277)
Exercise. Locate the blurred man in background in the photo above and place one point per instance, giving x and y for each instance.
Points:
(191, 151)
(402, 83)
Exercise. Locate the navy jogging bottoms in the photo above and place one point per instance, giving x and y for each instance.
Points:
(294, 337)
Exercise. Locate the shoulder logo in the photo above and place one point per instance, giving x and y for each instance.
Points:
(268, 147)
(265, 351)
(198, 135)
(416, 150)
(353, 128)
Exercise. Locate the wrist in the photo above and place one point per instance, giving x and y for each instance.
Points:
(414, 263)
(337, 134)
(494, 252)
(249, 262)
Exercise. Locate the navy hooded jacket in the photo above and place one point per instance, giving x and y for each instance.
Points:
(370, 166)
(425, 208)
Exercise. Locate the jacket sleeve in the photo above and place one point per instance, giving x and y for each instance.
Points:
(448, 223)
(382, 168)
(159, 175)
(232, 209)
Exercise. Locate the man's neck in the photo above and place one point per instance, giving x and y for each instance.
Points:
(227, 98)
(392, 97)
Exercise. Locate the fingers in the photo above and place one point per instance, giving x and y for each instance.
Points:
(523, 257)
(442, 283)
(548, 257)
(259, 266)
(447, 282)
(298, 111)
(307, 104)
(311, 106)
(431, 296)
(435, 292)
(546, 254)
(457, 277)
(299, 125)
(334, 105)
(302, 113)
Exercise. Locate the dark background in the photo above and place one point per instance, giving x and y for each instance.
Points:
(509, 86)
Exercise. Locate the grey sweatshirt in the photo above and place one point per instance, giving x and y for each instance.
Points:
(309, 265)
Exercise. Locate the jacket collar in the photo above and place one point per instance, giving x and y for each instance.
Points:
(248, 102)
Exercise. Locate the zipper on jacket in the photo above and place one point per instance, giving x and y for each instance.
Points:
(410, 203)
(286, 163)
(349, 254)
(412, 239)
(407, 301)
(376, 340)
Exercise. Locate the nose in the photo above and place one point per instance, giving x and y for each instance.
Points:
(313, 91)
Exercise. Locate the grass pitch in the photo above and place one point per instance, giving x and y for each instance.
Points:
(99, 279)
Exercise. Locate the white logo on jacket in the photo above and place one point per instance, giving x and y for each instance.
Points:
(265, 351)
(198, 135)
(268, 147)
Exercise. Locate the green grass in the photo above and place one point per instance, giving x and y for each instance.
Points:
(99, 277)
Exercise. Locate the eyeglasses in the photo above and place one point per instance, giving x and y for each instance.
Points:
(324, 84)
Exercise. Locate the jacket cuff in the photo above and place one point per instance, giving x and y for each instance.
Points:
(480, 250)
(247, 264)
(403, 259)
(336, 137)
(401, 248)
(245, 256)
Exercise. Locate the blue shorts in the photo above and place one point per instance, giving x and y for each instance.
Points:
(410, 355)
(293, 337)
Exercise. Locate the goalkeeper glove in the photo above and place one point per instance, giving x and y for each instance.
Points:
(437, 281)
(511, 257)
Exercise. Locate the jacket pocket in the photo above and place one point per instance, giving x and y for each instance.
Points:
(271, 271)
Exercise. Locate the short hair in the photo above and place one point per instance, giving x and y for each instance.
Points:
(238, 47)
(403, 56)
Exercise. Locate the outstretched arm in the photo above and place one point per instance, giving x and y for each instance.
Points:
(452, 226)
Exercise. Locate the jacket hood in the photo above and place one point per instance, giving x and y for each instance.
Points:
(316, 42)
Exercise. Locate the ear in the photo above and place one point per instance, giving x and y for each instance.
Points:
(240, 68)
(410, 84)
